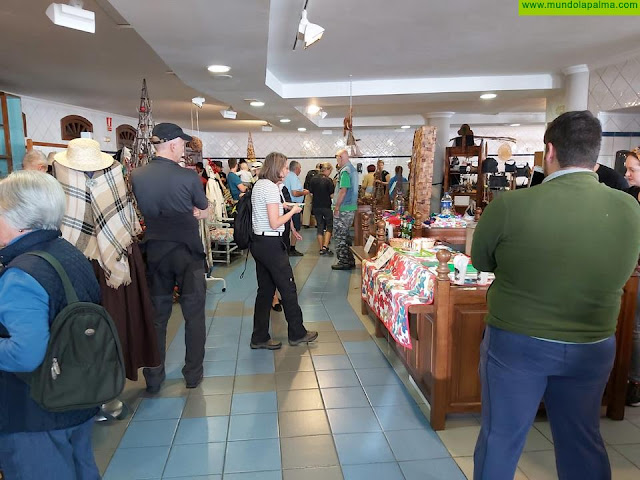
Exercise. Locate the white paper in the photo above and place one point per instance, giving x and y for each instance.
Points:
(382, 260)
(369, 244)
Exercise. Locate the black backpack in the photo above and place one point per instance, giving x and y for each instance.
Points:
(83, 366)
(242, 226)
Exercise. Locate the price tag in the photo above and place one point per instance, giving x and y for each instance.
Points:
(369, 244)
(382, 260)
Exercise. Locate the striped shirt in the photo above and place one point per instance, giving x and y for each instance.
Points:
(264, 192)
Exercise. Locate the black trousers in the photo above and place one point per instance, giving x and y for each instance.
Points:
(273, 270)
(170, 264)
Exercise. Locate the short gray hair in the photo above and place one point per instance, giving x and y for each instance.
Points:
(31, 200)
(34, 159)
(293, 164)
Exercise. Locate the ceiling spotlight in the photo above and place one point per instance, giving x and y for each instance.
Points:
(404, 127)
(514, 125)
(229, 113)
(72, 16)
(308, 32)
(285, 120)
(302, 129)
(218, 68)
(313, 109)
(198, 101)
(488, 96)
(256, 103)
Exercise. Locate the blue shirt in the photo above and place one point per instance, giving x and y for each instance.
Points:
(24, 312)
(292, 182)
(233, 180)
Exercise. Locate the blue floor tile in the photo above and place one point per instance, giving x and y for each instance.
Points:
(198, 477)
(137, 463)
(369, 360)
(228, 327)
(361, 448)
(401, 417)
(378, 376)
(260, 402)
(255, 426)
(416, 445)
(344, 397)
(436, 469)
(350, 325)
(353, 420)
(361, 347)
(252, 456)
(225, 368)
(337, 378)
(199, 459)
(273, 475)
(222, 340)
(220, 354)
(150, 433)
(159, 408)
(174, 356)
(331, 362)
(255, 366)
(374, 471)
(201, 430)
(386, 395)
(173, 371)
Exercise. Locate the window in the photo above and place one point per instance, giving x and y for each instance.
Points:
(125, 135)
(72, 126)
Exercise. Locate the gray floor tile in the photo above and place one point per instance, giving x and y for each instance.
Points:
(327, 348)
(298, 400)
(207, 406)
(303, 423)
(255, 383)
(296, 380)
(214, 386)
(319, 326)
(303, 452)
(317, 473)
(294, 364)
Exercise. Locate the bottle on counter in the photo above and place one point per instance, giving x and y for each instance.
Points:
(446, 204)
(399, 203)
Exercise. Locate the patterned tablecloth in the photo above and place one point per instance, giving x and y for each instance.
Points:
(402, 282)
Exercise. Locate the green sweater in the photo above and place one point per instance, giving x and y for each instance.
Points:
(561, 253)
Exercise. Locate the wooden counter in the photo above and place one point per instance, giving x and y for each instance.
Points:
(446, 339)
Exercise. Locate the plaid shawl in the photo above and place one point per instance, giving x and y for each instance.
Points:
(100, 219)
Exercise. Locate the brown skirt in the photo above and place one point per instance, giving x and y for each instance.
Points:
(132, 312)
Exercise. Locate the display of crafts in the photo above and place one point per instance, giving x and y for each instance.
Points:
(446, 221)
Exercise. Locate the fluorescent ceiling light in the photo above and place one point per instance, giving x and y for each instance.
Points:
(285, 120)
(72, 16)
(313, 109)
(256, 103)
(218, 68)
(404, 127)
(267, 128)
(229, 113)
(327, 132)
(308, 32)
(302, 129)
(488, 96)
(514, 125)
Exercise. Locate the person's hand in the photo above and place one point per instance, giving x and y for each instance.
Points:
(196, 212)
(336, 212)
(296, 209)
(296, 234)
(305, 192)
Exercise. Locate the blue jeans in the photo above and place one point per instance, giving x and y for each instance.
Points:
(634, 371)
(517, 372)
(60, 454)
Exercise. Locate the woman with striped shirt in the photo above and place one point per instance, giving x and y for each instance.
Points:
(269, 251)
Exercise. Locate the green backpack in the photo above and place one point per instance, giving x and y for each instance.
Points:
(83, 367)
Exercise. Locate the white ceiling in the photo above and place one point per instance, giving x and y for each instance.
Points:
(407, 58)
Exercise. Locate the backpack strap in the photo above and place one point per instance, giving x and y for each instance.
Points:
(69, 291)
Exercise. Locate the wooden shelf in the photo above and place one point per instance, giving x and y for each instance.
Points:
(479, 151)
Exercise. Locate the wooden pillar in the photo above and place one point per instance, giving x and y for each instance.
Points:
(29, 144)
(380, 232)
(366, 218)
(417, 225)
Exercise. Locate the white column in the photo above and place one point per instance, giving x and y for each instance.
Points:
(576, 87)
(442, 122)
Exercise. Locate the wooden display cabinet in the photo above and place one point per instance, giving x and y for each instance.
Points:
(450, 176)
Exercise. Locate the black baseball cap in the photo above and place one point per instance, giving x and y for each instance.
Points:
(164, 132)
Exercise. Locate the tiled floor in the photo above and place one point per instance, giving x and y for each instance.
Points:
(342, 408)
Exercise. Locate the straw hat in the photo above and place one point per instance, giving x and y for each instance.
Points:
(84, 154)
(504, 152)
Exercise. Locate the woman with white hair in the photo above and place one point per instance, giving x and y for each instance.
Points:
(36, 443)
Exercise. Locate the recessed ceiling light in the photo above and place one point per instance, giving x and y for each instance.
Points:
(284, 120)
(302, 129)
(313, 109)
(327, 132)
(488, 96)
(405, 126)
(218, 68)
(256, 103)
(514, 125)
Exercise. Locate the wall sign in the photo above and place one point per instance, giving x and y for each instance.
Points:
(109, 124)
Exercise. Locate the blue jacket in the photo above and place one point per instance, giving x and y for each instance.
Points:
(351, 198)
(31, 295)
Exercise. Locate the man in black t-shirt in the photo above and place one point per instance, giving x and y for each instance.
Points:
(322, 189)
(610, 177)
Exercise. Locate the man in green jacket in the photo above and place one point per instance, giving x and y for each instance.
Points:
(561, 253)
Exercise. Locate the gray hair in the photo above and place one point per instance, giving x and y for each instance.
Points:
(293, 164)
(31, 200)
(34, 159)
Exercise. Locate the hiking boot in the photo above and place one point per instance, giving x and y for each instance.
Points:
(327, 251)
(295, 253)
(268, 345)
(342, 266)
(309, 337)
(196, 383)
(633, 394)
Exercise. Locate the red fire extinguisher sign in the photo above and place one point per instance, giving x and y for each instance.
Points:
(109, 124)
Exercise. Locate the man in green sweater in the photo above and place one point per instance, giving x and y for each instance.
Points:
(561, 253)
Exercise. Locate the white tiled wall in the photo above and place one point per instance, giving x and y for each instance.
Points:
(615, 86)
